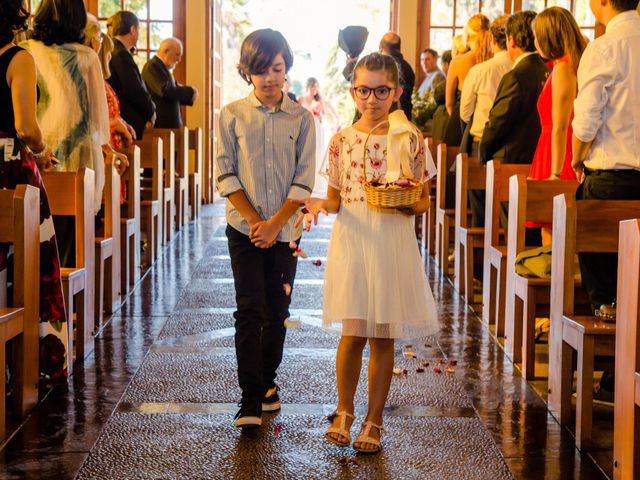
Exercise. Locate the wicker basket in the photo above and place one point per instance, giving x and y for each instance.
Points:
(388, 199)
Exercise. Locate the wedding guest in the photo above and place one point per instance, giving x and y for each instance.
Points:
(481, 84)
(167, 95)
(606, 139)
(24, 153)
(479, 43)
(433, 75)
(135, 102)
(390, 45)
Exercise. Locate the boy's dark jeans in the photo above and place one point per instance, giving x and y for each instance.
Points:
(260, 276)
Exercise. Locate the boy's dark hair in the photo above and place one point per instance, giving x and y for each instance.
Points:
(430, 51)
(122, 21)
(375, 62)
(624, 5)
(259, 49)
(60, 21)
(498, 31)
(519, 27)
(13, 18)
(446, 56)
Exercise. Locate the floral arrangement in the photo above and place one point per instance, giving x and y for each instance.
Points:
(423, 109)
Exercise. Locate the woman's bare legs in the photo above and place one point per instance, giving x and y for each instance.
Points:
(380, 373)
(348, 366)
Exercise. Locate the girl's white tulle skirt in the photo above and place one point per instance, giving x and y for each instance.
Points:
(375, 284)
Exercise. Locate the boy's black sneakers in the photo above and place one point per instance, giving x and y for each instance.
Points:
(271, 400)
(249, 415)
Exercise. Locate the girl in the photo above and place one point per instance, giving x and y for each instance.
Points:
(375, 284)
(557, 38)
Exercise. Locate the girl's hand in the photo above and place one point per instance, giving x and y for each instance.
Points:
(121, 163)
(309, 214)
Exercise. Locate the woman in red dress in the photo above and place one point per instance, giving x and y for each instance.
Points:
(559, 40)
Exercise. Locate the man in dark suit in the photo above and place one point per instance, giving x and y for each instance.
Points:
(167, 95)
(390, 45)
(136, 106)
(512, 131)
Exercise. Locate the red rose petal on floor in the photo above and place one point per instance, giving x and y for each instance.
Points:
(437, 370)
(332, 416)
(405, 371)
(277, 429)
(442, 361)
(419, 370)
(453, 362)
(408, 346)
(427, 345)
(425, 364)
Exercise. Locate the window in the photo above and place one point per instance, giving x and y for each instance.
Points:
(156, 22)
(580, 9)
(448, 18)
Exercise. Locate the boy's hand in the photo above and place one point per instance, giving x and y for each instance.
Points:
(263, 234)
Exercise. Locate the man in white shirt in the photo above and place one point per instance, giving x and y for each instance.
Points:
(433, 75)
(481, 84)
(606, 128)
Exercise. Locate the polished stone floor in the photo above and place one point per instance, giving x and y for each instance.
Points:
(157, 397)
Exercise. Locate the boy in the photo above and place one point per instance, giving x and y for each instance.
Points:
(266, 166)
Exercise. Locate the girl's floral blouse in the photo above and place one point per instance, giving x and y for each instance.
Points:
(345, 170)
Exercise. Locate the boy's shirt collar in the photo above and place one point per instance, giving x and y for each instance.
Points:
(286, 104)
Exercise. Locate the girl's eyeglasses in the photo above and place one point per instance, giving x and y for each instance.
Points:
(381, 93)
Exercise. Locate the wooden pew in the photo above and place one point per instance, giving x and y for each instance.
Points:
(181, 177)
(71, 194)
(151, 149)
(495, 245)
(20, 225)
(130, 220)
(529, 200)
(445, 158)
(195, 174)
(470, 175)
(626, 424)
(107, 248)
(578, 226)
(168, 138)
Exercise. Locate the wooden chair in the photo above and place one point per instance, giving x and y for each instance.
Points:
(168, 150)
(195, 174)
(152, 195)
(529, 200)
(445, 158)
(130, 224)
(626, 424)
(107, 248)
(20, 324)
(470, 175)
(495, 245)
(71, 194)
(181, 176)
(579, 226)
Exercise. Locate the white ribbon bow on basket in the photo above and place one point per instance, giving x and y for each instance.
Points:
(403, 142)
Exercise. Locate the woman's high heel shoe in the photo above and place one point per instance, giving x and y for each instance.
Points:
(341, 430)
(365, 438)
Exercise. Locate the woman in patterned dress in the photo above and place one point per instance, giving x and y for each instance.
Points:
(23, 153)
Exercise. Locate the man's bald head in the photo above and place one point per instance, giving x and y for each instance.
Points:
(390, 43)
(170, 52)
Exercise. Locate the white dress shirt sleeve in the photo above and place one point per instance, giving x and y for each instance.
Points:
(596, 75)
(226, 157)
(469, 96)
(305, 173)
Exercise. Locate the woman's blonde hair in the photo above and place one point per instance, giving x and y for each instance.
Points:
(558, 34)
(93, 32)
(478, 34)
(458, 46)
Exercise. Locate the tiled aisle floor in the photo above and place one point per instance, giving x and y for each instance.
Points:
(157, 398)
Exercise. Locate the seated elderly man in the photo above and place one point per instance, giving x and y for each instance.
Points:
(166, 93)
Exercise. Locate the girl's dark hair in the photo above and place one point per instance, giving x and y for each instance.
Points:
(375, 62)
(13, 18)
(60, 21)
(259, 49)
(311, 81)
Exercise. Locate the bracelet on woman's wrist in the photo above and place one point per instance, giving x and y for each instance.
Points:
(42, 153)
